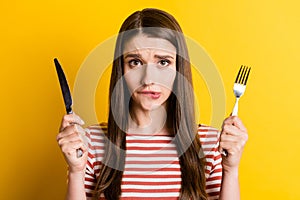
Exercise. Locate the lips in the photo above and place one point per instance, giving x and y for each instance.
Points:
(152, 94)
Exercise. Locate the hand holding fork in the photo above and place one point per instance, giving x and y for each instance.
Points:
(238, 89)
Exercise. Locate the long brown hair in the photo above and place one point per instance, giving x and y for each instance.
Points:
(181, 114)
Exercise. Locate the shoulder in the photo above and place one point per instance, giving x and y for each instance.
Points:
(96, 131)
(97, 128)
(96, 135)
(206, 128)
(207, 134)
(209, 138)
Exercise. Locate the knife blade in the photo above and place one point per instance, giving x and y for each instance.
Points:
(66, 93)
(64, 87)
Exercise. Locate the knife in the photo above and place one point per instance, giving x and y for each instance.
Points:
(66, 93)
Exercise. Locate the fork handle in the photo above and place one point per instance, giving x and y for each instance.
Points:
(236, 107)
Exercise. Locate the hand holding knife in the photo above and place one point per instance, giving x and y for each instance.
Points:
(66, 94)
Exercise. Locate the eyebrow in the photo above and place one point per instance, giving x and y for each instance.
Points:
(133, 55)
(164, 56)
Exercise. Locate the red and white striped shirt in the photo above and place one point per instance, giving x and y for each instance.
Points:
(152, 169)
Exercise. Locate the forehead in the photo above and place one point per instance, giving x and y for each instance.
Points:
(142, 42)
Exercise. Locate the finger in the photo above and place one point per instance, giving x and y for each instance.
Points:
(72, 141)
(231, 130)
(70, 119)
(228, 147)
(74, 137)
(234, 142)
(74, 128)
(70, 149)
(79, 145)
(236, 121)
(229, 138)
(239, 136)
(220, 149)
(232, 148)
(67, 131)
(238, 141)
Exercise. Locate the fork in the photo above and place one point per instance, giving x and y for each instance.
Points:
(239, 86)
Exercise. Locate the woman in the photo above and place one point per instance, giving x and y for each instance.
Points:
(151, 146)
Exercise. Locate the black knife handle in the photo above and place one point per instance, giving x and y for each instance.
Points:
(69, 110)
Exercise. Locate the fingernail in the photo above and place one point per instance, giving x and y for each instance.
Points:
(81, 122)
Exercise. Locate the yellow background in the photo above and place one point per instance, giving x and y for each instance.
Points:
(261, 34)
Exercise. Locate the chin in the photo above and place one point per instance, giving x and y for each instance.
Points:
(151, 107)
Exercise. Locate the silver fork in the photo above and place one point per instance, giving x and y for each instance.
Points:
(239, 86)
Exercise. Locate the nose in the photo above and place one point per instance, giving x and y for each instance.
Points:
(147, 78)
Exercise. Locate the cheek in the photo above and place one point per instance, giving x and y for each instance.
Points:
(130, 84)
(167, 92)
(167, 85)
(167, 79)
(132, 79)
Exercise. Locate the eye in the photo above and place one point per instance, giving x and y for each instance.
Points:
(134, 62)
(164, 63)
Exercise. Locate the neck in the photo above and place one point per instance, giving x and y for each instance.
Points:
(148, 121)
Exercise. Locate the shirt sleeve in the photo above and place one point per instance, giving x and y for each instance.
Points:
(209, 138)
(95, 135)
(90, 179)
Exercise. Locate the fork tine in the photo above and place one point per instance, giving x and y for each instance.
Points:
(247, 76)
(238, 75)
(244, 75)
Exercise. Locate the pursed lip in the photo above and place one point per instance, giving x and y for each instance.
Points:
(150, 93)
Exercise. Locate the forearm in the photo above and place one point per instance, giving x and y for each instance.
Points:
(230, 189)
(75, 190)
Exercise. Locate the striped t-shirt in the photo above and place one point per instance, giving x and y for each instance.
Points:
(152, 169)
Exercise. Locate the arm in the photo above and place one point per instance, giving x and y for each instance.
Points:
(75, 189)
(230, 185)
(233, 138)
(69, 140)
